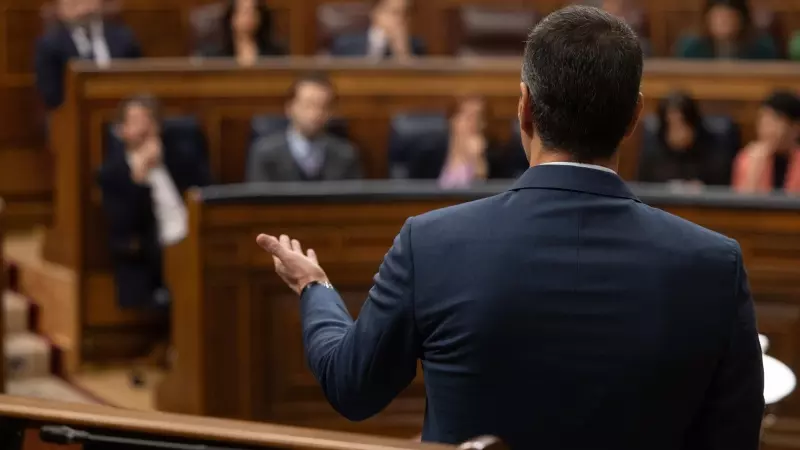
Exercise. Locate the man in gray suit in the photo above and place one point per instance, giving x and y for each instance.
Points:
(305, 151)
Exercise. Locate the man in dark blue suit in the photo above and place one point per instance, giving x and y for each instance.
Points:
(79, 33)
(563, 313)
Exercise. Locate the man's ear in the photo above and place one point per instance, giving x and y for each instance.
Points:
(524, 111)
(637, 114)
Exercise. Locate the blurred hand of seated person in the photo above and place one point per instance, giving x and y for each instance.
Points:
(772, 162)
(246, 33)
(464, 156)
(79, 33)
(729, 34)
(388, 35)
(305, 151)
(680, 148)
(143, 190)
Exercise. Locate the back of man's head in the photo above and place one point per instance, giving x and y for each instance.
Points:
(583, 69)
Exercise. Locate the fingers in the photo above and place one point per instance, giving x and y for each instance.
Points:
(272, 245)
(286, 243)
(312, 255)
(296, 246)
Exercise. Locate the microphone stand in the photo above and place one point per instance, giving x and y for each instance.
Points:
(63, 435)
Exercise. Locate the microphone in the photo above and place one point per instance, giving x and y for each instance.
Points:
(64, 435)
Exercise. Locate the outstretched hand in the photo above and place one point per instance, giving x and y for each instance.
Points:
(295, 268)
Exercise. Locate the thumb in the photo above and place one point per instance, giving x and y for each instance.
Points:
(271, 245)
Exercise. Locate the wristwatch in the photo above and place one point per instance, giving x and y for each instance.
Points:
(315, 283)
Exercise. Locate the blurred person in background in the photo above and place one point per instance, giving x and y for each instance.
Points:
(305, 151)
(729, 33)
(246, 33)
(772, 162)
(389, 34)
(143, 190)
(682, 149)
(464, 157)
(80, 32)
(626, 10)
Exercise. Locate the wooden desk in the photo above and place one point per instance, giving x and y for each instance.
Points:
(224, 97)
(30, 414)
(236, 326)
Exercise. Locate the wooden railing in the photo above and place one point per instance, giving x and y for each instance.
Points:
(31, 424)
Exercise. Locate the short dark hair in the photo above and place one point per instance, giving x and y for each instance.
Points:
(785, 103)
(583, 70)
(146, 101)
(317, 78)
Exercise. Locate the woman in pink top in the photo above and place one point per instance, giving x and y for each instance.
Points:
(772, 162)
(466, 156)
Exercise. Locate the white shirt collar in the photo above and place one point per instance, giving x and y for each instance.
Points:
(585, 166)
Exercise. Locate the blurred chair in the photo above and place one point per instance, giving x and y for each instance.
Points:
(489, 31)
(334, 19)
(406, 129)
(206, 26)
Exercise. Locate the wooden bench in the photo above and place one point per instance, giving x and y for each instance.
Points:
(224, 97)
(236, 326)
(31, 424)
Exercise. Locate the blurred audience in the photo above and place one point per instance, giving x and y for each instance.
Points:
(729, 33)
(627, 10)
(305, 150)
(463, 158)
(143, 189)
(246, 33)
(681, 148)
(389, 34)
(80, 31)
(772, 162)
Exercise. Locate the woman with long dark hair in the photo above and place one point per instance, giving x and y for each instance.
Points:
(729, 33)
(682, 149)
(246, 33)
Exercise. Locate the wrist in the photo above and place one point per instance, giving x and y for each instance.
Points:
(311, 284)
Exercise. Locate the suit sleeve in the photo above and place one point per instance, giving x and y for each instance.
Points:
(734, 406)
(363, 365)
(49, 67)
(256, 163)
(123, 203)
(353, 171)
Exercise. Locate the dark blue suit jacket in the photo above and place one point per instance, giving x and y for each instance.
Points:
(357, 44)
(55, 48)
(562, 314)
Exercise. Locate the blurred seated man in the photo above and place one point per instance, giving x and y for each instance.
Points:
(80, 32)
(772, 162)
(463, 158)
(305, 151)
(143, 191)
(388, 35)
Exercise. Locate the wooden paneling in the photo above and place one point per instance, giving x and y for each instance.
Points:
(236, 327)
(224, 98)
(28, 415)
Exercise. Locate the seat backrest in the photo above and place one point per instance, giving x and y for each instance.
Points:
(406, 129)
(334, 19)
(206, 26)
(490, 30)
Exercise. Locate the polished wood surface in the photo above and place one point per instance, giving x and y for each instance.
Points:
(218, 432)
(236, 327)
(224, 97)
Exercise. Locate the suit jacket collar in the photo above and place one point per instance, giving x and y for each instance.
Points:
(574, 178)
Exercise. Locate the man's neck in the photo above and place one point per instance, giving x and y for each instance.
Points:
(547, 157)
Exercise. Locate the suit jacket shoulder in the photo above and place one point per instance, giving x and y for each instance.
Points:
(270, 146)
